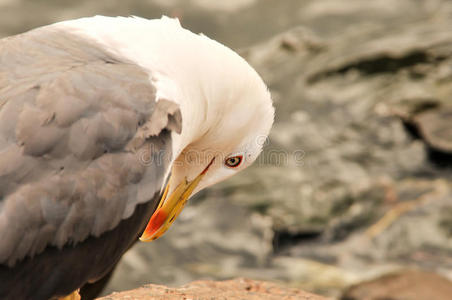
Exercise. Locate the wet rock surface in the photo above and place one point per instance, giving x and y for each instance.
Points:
(355, 181)
(206, 290)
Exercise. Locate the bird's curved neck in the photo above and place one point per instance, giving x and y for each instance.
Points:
(194, 110)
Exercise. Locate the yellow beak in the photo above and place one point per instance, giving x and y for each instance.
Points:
(170, 207)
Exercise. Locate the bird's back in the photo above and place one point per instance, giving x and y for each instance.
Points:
(81, 162)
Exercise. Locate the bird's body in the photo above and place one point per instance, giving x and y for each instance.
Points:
(97, 115)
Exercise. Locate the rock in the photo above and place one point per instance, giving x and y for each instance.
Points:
(206, 290)
(435, 127)
(407, 285)
(429, 120)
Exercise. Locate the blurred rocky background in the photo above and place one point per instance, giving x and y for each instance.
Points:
(352, 197)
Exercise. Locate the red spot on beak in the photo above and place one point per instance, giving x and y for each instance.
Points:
(155, 222)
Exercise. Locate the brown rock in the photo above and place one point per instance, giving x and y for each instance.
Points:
(240, 288)
(436, 129)
(407, 285)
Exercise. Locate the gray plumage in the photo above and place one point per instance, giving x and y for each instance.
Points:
(76, 123)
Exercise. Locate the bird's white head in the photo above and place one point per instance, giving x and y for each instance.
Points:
(226, 108)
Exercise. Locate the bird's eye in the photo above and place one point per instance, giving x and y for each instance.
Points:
(234, 161)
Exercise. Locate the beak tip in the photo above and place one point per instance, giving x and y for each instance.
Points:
(169, 208)
(145, 238)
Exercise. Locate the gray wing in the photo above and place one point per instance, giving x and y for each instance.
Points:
(79, 141)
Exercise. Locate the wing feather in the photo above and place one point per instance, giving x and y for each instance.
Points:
(74, 124)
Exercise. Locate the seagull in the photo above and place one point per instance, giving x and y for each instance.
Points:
(108, 125)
